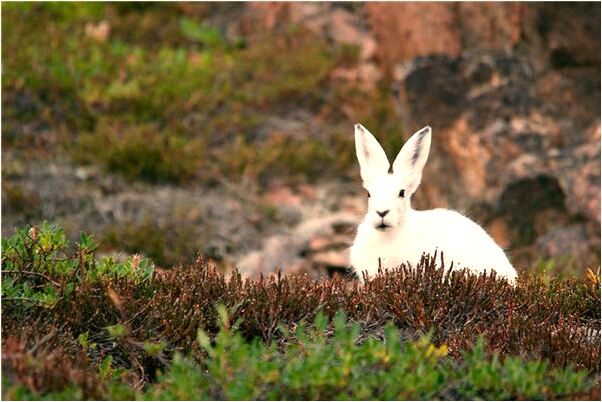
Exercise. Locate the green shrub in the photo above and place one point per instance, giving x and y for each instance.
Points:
(142, 152)
(313, 366)
(281, 155)
(166, 244)
(39, 268)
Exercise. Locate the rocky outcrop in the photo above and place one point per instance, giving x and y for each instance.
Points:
(341, 25)
(558, 34)
(319, 248)
(176, 221)
(516, 143)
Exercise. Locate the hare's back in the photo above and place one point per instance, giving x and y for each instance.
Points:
(462, 241)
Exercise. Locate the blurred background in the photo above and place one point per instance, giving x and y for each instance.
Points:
(226, 129)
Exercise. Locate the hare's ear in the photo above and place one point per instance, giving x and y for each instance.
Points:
(370, 154)
(412, 157)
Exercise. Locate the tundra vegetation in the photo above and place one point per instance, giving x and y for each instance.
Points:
(75, 327)
(137, 94)
(175, 101)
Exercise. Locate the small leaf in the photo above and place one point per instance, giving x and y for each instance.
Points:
(222, 312)
(203, 339)
(105, 366)
(154, 348)
(117, 331)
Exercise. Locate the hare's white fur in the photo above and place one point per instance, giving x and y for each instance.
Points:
(392, 233)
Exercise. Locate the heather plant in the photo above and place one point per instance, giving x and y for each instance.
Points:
(325, 361)
(77, 327)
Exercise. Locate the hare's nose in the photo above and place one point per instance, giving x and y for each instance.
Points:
(382, 213)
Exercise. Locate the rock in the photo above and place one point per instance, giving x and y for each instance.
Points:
(548, 219)
(565, 241)
(282, 196)
(323, 19)
(329, 252)
(579, 175)
(498, 230)
(404, 31)
(316, 246)
(570, 32)
(277, 252)
(393, 32)
(565, 34)
(344, 27)
(491, 26)
(337, 24)
(365, 76)
(368, 76)
(308, 191)
(325, 242)
(505, 146)
(100, 31)
(335, 259)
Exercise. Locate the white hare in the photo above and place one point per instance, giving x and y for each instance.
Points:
(392, 233)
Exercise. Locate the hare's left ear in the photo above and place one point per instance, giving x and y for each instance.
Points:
(411, 159)
(370, 155)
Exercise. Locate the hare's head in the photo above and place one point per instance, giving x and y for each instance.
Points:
(390, 187)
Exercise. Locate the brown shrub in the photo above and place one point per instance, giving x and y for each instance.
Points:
(557, 321)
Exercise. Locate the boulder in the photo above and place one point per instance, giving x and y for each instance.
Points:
(318, 247)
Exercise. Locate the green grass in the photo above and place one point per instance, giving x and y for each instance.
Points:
(141, 152)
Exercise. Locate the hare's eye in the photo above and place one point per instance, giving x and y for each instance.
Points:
(402, 193)
(368, 194)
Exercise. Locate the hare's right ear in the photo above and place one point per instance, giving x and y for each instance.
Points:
(371, 156)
